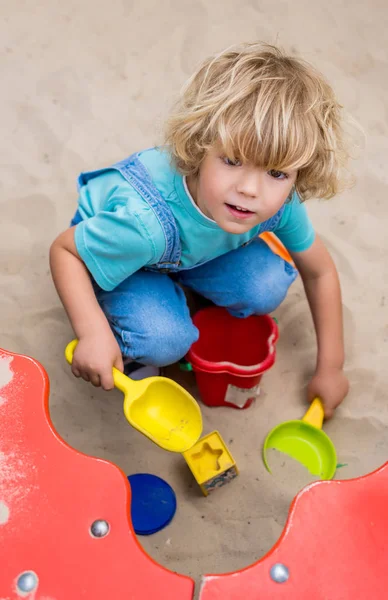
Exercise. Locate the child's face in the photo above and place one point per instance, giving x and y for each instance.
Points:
(221, 189)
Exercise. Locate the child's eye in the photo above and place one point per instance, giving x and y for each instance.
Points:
(278, 174)
(231, 163)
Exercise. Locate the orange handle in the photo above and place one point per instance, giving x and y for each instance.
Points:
(276, 246)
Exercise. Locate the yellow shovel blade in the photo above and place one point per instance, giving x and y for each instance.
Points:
(165, 412)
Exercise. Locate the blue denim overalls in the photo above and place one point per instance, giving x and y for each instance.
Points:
(148, 312)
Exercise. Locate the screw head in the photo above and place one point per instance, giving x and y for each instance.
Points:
(99, 528)
(27, 582)
(279, 573)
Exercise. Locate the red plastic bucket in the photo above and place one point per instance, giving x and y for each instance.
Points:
(231, 356)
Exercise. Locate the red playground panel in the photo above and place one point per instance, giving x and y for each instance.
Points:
(65, 531)
(334, 547)
(50, 496)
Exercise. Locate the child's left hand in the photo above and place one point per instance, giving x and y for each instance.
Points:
(331, 385)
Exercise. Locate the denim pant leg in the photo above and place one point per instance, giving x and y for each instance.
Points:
(150, 318)
(246, 281)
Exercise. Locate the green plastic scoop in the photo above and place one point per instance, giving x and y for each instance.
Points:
(305, 441)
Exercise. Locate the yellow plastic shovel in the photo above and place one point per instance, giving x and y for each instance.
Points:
(305, 441)
(159, 408)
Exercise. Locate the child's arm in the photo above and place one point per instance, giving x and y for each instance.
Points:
(97, 350)
(322, 287)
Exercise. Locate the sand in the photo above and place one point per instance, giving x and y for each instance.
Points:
(288, 471)
(85, 87)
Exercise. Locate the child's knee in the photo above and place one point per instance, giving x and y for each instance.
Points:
(166, 342)
(271, 292)
(171, 342)
(265, 292)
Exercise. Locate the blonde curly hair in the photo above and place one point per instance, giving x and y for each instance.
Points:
(261, 106)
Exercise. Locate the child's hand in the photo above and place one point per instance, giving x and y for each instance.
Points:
(331, 385)
(94, 358)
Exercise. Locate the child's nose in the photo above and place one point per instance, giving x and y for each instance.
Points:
(250, 185)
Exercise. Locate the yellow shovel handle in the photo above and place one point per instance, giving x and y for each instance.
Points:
(121, 381)
(69, 351)
(315, 414)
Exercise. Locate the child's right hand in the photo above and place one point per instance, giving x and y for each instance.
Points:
(94, 358)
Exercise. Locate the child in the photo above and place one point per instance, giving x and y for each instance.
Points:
(255, 133)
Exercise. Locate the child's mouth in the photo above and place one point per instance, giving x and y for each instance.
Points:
(239, 212)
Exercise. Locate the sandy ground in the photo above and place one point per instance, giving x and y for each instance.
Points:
(85, 84)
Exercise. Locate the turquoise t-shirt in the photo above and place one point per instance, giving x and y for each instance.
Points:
(120, 233)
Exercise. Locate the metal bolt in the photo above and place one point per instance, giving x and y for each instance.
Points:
(27, 582)
(279, 573)
(99, 528)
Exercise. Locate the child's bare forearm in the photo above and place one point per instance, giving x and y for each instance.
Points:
(97, 351)
(321, 283)
(324, 296)
(74, 287)
(323, 291)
